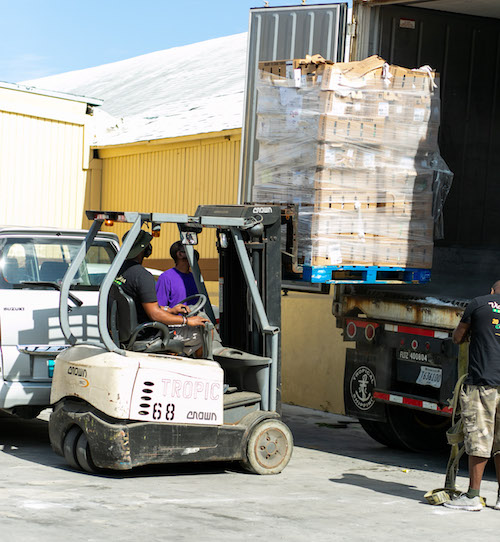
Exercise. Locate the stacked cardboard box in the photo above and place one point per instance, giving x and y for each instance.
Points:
(355, 145)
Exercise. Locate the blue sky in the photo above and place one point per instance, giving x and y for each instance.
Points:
(46, 37)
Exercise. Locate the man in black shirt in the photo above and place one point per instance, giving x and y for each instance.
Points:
(139, 284)
(480, 396)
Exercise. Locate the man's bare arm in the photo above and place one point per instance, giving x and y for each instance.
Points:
(460, 333)
(156, 314)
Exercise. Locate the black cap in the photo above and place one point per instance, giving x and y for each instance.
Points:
(140, 244)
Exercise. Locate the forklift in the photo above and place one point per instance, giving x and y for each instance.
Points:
(118, 403)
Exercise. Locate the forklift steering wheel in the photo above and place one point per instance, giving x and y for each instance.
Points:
(195, 303)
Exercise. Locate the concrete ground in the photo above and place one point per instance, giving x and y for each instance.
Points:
(339, 485)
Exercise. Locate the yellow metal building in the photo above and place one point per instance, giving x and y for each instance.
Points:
(170, 176)
(44, 156)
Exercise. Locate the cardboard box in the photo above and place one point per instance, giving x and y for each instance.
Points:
(345, 155)
(357, 74)
(370, 252)
(299, 71)
(393, 179)
(335, 178)
(417, 255)
(338, 129)
(405, 205)
(412, 80)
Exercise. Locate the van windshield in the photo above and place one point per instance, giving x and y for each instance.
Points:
(46, 259)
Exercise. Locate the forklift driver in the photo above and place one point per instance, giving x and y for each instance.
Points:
(139, 284)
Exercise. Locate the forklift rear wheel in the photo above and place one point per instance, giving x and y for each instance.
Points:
(269, 448)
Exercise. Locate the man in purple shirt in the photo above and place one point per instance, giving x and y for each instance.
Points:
(177, 283)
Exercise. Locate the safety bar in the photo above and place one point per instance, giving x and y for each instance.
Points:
(233, 224)
(68, 279)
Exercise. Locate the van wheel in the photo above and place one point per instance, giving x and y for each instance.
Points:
(69, 447)
(269, 448)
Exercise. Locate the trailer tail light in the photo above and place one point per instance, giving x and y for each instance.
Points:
(369, 332)
(351, 330)
(414, 344)
(368, 328)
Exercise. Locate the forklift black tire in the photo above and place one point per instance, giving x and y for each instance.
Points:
(83, 455)
(269, 448)
(69, 447)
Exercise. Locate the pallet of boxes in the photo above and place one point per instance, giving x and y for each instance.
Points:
(354, 145)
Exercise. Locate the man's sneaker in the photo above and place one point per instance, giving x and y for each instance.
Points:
(497, 505)
(464, 503)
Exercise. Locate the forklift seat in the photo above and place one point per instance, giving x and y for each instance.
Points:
(126, 331)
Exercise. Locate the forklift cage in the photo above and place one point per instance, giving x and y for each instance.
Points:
(234, 224)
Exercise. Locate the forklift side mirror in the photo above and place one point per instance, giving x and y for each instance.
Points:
(189, 238)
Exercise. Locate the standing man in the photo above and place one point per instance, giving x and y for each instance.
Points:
(176, 283)
(480, 396)
(139, 284)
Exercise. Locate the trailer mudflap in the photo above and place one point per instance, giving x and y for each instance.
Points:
(364, 372)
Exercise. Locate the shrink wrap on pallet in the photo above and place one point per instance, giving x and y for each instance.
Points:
(355, 145)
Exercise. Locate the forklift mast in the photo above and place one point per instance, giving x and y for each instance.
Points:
(239, 316)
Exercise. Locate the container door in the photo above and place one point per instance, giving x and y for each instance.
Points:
(283, 34)
(465, 51)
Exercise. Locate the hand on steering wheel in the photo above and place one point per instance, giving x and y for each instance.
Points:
(195, 303)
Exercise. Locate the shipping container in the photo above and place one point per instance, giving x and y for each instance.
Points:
(400, 366)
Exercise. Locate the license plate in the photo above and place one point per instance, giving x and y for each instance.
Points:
(410, 355)
(430, 376)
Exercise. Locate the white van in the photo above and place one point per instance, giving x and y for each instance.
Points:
(32, 265)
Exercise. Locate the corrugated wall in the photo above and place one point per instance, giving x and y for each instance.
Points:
(42, 160)
(43, 185)
(172, 176)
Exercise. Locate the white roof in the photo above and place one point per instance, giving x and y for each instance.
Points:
(187, 90)
(51, 93)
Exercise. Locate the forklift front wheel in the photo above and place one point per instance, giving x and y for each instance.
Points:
(76, 450)
(83, 454)
(69, 446)
(269, 448)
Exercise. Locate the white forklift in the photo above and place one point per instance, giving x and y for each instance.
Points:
(119, 403)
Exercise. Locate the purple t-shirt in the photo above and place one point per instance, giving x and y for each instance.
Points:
(174, 286)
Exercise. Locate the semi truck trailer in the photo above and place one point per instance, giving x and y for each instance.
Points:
(401, 365)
